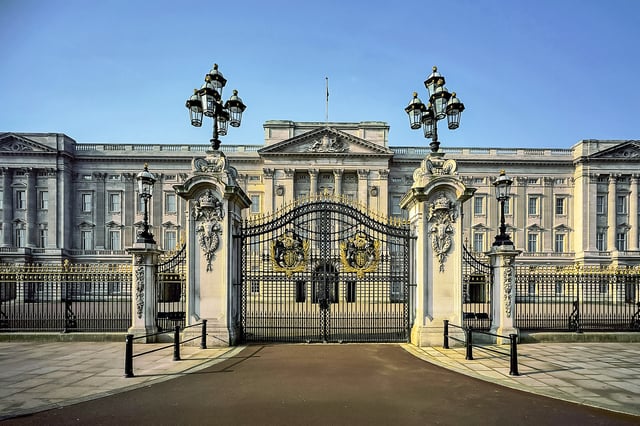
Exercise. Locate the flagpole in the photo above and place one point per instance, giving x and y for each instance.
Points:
(326, 111)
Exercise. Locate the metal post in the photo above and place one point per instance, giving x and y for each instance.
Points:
(446, 335)
(513, 359)
(128, 356)
(203, 343)
(176, 344)
(469, 343)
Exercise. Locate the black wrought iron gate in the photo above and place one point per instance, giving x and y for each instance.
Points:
(325, 271)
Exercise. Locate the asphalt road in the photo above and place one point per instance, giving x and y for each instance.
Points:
(328, 385)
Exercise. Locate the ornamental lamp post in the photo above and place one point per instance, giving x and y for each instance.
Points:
(441, 104)
(503, 187)
(207, 101)
(145, 179)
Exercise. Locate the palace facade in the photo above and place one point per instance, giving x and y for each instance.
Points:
(60, 199)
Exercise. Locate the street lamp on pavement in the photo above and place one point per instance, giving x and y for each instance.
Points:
(503, 187)
(441, 104)
(207, 101)
(145, 179)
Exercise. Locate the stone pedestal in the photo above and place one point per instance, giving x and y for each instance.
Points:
(503, 293)
(143, 294)
(435, 205)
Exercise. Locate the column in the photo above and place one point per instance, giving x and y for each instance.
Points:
(7, 207)
(288, 186)
(363, 183)
(129, 209)
(337, 177)
(633, 213)
(52, 212)
(313, 181)
(547, 215)
(32, 208)
(611, 214)
(590, 223)
(100, 213)
(383, 192)
(269, 198)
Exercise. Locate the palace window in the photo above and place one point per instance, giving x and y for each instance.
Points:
(560, 205)
(601, 241)
(600, 204)
(621, 204)
(478, 205)
(532, 243)
(170, 203)
(86, 240)
(478, 241)
(21, 237)
(87, 202)
(43, 200)
(115, 201)
(44, 234)
(559, 243)
(21, 200)
(114, 240)
(170, 240)
(533, 206)
(255, 203)
(621, 241)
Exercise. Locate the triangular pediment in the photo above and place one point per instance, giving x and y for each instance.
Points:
(113, 224)
(11, 142)
(629, 150)
(325, 141)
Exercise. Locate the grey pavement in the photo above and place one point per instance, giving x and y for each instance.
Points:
(40, 376)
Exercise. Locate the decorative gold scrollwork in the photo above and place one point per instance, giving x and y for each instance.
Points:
(360, 254)
(289, 253)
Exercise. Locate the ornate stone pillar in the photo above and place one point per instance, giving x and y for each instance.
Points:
(7, 211)
(313, 181)
(611, 214)
(144, 307)
(633, 213)
(435, 205)
(503, 293)
(215, 202)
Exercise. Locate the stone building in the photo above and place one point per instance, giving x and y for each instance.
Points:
(60, 199)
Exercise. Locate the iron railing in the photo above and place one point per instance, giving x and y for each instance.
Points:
(577, 298)
(128, 351)
(171, 290)
(65, 297)
(477, 278)
(469, 344)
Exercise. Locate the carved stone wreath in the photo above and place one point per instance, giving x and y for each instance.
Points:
(208, 213)
(441, 216)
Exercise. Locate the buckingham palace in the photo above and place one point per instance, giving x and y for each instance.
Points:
(63, 199)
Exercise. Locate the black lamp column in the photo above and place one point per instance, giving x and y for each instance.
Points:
(503, 186)
(145, 179)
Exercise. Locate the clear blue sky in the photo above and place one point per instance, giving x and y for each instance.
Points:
(542, 73)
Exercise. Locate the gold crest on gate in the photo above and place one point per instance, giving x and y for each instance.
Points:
(360, 254)
(289, 253)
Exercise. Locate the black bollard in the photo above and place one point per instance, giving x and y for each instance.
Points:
(128, 356)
